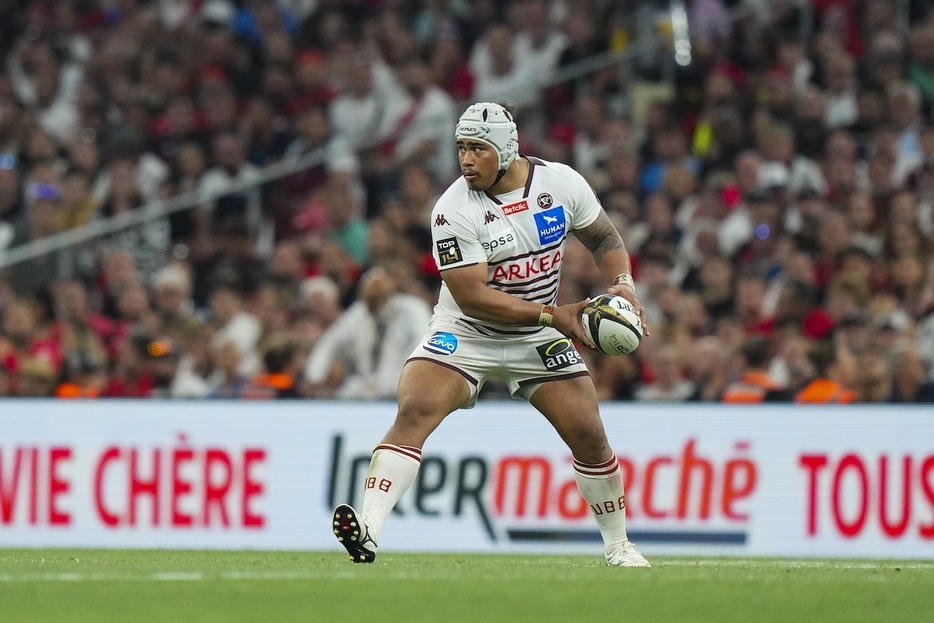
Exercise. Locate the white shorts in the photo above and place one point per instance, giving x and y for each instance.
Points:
(524, 363)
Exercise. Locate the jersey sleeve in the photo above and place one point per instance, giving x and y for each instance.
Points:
(455, 239)
(586, 206)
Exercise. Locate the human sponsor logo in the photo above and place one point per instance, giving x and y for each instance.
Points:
(551, 225)
(440, 220)
(559, 354)
(489, 217)
(545, 201)
(505, 240)
(449, 251)
(515, 208)
(441, 343)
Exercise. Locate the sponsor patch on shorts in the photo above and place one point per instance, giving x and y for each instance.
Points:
(551, 225)
(449, 251)
(441, 343)
(559, 354)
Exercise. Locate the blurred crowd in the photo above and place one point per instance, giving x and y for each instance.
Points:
(775, 189)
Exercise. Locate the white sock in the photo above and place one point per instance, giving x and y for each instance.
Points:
(601, 486)
(392, 471)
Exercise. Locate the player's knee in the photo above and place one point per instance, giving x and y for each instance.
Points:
(417, 408)
(589, 444)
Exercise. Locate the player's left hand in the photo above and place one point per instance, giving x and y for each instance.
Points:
(629, 294)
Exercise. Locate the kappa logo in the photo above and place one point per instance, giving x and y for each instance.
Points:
(490, 217)
(545, 201)
(552, 225)
(449, 251)
(559, 354)
(515, 208)
(440, 220)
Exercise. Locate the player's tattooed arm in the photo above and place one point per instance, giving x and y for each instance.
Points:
(600, 237)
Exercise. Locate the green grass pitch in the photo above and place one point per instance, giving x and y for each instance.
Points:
(104, 586)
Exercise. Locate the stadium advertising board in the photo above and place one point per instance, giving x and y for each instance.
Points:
(773, 481)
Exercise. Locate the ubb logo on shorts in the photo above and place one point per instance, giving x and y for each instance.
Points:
(558, 354)
(441, 343)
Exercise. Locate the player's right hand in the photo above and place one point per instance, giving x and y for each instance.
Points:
(567, 320)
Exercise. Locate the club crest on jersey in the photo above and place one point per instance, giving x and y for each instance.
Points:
(490, 217)
(515, 208)
(441, 343)
(545, 201)
(449, 252)
(558, 354)
(551, 225)
(440, 220)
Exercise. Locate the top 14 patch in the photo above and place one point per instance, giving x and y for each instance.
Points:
(449, 252)
(551, 224)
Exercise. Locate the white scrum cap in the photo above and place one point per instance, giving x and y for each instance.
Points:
(493, 125)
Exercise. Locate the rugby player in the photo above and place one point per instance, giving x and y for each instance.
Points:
(498, 234)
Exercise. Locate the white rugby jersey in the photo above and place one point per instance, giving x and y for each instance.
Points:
(520, 235)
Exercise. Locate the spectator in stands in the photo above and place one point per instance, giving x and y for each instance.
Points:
(448, 65)
(81, 377)
(133, 376)
(22, 340)
(754, 384)
(832, 375)
(710, 369)
(232, 323)
(281, 365)
(911, 382)
(78, 204)
(502, 73)
(40, 220)
(668, 383)
(317, 309)
(83, 330)
(361, 354)
(171, 288)
(873, 377)
(228, 379)
(421, 135)
(11, 197)
(231, 169)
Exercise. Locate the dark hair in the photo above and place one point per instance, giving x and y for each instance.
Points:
(756, 352)
(278, 357)
(822, 355)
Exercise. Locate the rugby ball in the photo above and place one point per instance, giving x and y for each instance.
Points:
(612, 324)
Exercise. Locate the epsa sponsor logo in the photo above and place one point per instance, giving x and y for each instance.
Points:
(511, 494)
(449, 251)
(506, 240)
(515, 208)
(527, 268)
(559, 354)
(441, 343)
(551, 225)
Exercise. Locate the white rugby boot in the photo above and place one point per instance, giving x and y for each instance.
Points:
(625, 556)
